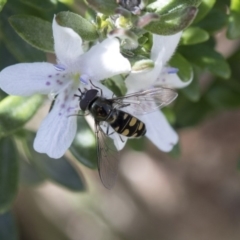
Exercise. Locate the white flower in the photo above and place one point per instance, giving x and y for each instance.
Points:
(103, 60)
(158, 129)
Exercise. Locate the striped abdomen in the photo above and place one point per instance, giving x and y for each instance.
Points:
(128, 125)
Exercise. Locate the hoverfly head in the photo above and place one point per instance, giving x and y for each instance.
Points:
(87, 97)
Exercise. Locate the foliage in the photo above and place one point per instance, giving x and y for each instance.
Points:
(26, 36)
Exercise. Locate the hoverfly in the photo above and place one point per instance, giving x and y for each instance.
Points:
(108, 114)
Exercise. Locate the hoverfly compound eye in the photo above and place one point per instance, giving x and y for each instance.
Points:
(87, 98)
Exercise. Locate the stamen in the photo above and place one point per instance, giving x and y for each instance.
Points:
(171, 70)
(84, 79)
(59, 67)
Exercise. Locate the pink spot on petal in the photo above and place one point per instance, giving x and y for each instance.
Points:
(48, 83)
(63, 105)
(49, 76)
(59, 82)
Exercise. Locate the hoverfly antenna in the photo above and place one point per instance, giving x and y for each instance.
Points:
(96, 87)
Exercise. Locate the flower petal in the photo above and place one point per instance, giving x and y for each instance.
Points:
(58, 129)
(26, 79)
(172, 81)
(162, 49)
(159, 131)
(104, 60)
(118, 139)
(144, 80)
(169, 43)
(67, 44)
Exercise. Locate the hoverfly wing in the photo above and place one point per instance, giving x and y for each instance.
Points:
(107, 157)
(147, 100)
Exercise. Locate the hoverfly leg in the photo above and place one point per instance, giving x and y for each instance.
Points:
(96, 87)
(107, 131)
(120, 137)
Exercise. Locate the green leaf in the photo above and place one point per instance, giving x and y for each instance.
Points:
(106, 7)
(41, 5)
(204, 9)
(185, 70)
(192, 91)
(84, 147)
(163, 7)
(207, 58)
(194, 35)
(116, 84)
(2, 3)
(8, 57)
(21, 50)
(137, 144)
(16, 111)
(214, 21)
(169, 114)
(57, 170)
(190, 113)
(173, 21)
(224, 95)
(233, 30)
(8, 227)
(83, 27)
(235, 5)
(234, 63)
(8, 173)
(176, 151)
(29, 174)
(34, 30)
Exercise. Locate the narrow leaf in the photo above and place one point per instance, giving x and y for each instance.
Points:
(214, 21)
(29, 174)
(204, 9)
(8, 173)
(233, 30)
(190, 113)
(192, 91)
(208, 59)
(172, 22)
(21, 50)
(185, 70)
(84, 147)
(8, 57)
(83, 27)
(34, 30)
(41, 5)
(57, 170)
(16, 111)
(103, 6)
(224, 95)
(194, 35)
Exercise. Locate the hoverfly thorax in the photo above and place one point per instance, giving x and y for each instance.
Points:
(101, 109)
